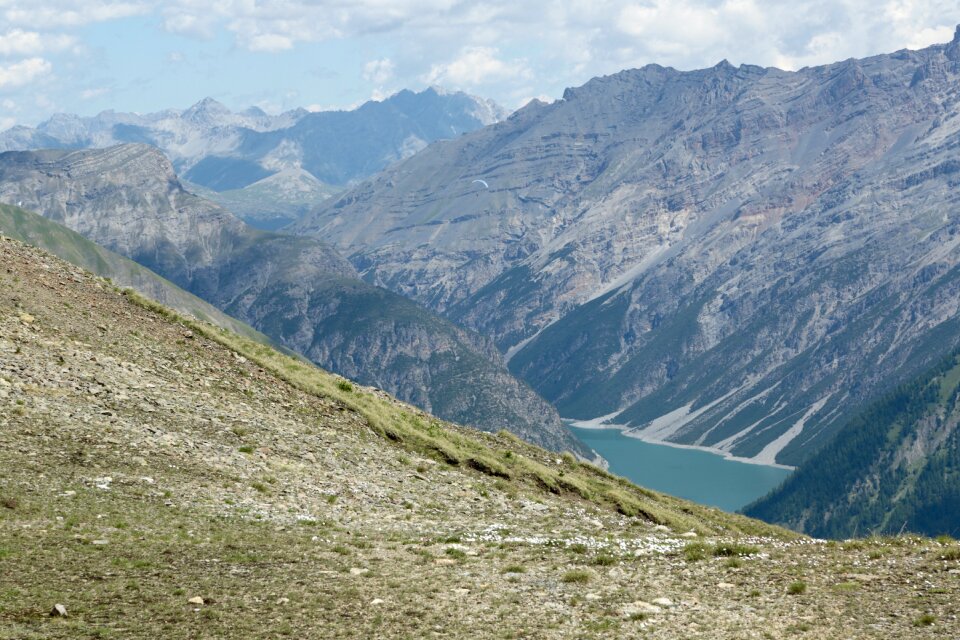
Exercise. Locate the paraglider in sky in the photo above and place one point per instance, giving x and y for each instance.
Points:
(483, 182)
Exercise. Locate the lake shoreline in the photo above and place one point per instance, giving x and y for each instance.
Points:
(689, 472)
(631, 432)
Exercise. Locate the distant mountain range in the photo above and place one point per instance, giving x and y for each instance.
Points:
(738, 258)
(272, 169)
(296, 290)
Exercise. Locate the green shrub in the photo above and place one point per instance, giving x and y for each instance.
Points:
(455, 553)
(952, 553)
(603, 560)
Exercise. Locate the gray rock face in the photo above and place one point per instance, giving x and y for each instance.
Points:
(735, 257)
(127, 198)
(296, 290)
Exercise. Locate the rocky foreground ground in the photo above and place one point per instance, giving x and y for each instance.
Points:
(161, 479)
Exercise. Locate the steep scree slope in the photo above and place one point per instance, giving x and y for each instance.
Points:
(895, 466)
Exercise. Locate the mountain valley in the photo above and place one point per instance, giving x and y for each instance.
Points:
(479, 321)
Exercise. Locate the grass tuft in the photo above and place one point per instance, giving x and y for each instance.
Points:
(925, 620)
(797, 588)
(576, 576)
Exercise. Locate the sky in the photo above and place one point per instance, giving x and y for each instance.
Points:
(85, 56)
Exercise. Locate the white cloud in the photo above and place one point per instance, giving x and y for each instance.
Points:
(475, 66)
(90, 94)
(556, 38)
(378, 71)
(17, 42)
(23, 72)
(271, 42)
(56, 14)
(190, 25)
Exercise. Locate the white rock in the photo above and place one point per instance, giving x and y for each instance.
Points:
(640, 607)
(58, 611)
(664, 602)
(195, 600)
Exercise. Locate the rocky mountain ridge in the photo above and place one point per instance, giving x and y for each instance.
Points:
(296, 290)
(735, 257)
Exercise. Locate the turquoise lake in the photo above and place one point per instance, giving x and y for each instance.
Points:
(693, 474)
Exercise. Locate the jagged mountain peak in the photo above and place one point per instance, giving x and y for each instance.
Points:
(207, 112)
(206, 105)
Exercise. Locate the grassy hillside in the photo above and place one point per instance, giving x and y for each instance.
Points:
(161, 477)
(895, 467)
